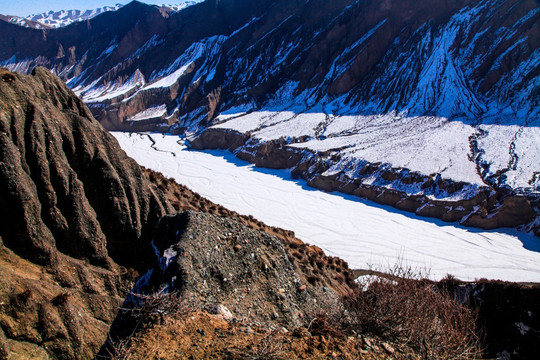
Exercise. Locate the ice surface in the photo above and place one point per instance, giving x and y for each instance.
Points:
(361, 232)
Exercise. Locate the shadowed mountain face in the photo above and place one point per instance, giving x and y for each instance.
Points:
(437, 99)
(451, 59)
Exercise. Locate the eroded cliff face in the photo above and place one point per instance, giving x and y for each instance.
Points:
(76, 216)
(67, 183)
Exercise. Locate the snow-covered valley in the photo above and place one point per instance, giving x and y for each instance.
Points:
(363, 233)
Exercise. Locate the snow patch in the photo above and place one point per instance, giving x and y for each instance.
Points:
(150, 113)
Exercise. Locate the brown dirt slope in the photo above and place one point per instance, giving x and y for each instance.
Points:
(200, 335)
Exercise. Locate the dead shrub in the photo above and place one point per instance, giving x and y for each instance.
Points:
(410, 311)
(327, 318)
(147, 311)
(267, 348)
(121, 350)
(156, 305)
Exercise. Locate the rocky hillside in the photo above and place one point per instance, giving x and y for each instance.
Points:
(67, 183)
(76, 216)
(84, 230)
(430, 107)
(78, 228)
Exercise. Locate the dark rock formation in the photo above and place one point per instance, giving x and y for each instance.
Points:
(507, 316)
(75, 214)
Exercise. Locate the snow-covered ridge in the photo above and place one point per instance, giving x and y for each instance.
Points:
(178, 7)
(430, 130)
(200, 51)
(61, 18)
(56, 19)
(17, 20)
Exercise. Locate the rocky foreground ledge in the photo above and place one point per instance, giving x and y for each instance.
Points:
(487, 208)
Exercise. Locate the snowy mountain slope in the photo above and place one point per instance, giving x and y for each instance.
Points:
(181, 6)
(436, 99)
(56, 19)
(61, 18)
(17, 20)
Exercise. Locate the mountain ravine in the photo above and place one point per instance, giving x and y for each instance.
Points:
(431, 107)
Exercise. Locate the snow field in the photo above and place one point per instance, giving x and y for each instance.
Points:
(363, 233)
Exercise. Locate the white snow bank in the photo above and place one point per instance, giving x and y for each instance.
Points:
(150, 113)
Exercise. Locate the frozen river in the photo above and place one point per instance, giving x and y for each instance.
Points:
(363, 233)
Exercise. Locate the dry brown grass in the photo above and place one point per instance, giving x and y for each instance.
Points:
(151, 310)
(411, 311)
(199, 335)
(268, 347)
(406, 314)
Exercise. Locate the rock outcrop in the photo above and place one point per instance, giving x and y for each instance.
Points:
(76, 216)
(215, 261)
